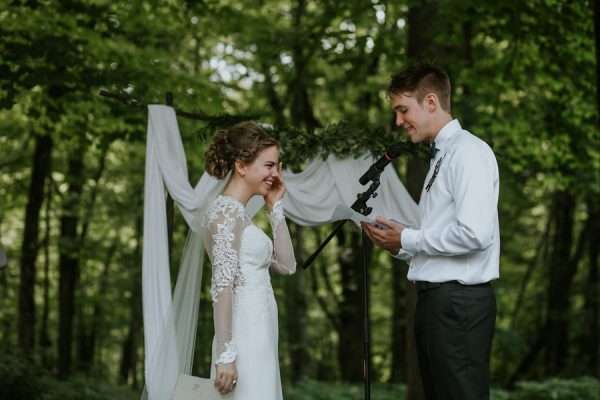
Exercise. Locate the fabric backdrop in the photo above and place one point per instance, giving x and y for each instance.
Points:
(310, 199)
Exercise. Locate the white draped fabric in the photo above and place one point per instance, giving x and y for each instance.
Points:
(312, 195)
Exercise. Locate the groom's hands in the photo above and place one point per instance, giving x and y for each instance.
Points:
(226, 377)
(387, 238)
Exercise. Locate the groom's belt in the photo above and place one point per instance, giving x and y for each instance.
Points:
(423, 286)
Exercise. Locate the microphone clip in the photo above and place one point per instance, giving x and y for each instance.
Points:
(377, 168)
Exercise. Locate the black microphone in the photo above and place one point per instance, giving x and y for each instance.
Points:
(391, 153)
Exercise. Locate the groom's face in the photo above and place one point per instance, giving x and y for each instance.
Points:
(412, 116)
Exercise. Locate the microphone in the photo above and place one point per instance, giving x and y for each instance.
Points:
(377, 168)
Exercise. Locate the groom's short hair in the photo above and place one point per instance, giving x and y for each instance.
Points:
(421, 79)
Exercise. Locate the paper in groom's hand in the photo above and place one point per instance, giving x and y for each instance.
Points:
(344, 212)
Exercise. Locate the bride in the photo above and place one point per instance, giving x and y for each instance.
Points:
(244, 355)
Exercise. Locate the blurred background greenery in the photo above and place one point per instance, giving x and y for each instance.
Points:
(525, 79)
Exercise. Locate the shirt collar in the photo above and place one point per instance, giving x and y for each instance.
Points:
(442, 140)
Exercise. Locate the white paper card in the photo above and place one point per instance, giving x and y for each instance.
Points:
(344, 212)
(194, 388)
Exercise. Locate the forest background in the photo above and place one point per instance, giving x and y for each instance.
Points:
(525, 79)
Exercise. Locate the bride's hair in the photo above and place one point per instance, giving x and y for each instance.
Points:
(241, 142)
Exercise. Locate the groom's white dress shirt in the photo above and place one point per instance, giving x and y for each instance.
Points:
(459, 237)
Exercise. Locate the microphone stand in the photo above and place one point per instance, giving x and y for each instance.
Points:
(360, 206)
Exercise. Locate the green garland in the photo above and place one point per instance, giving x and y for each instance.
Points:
(340, 139)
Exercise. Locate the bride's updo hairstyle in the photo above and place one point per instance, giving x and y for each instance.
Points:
(242, 142)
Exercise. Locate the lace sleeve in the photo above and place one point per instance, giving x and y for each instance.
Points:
(226, 223)
(284, 261)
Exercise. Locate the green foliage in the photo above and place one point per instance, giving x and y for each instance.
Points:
(83, 388)
(342, 140)
(523, 78)
(559, 389)
(25, 380)
(19, 379)
(314, 390)
(554, 389)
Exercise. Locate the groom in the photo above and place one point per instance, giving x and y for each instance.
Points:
(455, 253)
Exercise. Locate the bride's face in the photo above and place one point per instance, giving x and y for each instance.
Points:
(262, 173)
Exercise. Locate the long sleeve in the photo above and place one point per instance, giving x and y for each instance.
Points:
(474, 188)
(284, 261)
(226, 226)
(459, 237)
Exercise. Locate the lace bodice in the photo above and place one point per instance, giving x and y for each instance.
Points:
(241, 255)
(226, 221)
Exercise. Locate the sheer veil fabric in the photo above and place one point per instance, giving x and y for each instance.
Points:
(170, 322)
(170, 319)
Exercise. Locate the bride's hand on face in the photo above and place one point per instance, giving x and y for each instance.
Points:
(277, 190)
(226, 377)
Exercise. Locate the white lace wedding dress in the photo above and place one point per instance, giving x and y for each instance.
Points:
(245, 311)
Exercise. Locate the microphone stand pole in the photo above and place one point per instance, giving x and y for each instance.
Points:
(360, 206)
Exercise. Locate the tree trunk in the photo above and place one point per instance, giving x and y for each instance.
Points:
(276, 105)
(597, 47)
(590, 345)
(421, 32)
(329, 304)
(592, 298)
(45, 341)
(296, 307)
(561, 273)
(129, 349)
(29, 248)
(301, 109)
(69, 261)
(369, 97)
(553, 334)
(6, 321)
(468, 114)
(541, 251)
(351, 315)
(88, 337)
(91, 206)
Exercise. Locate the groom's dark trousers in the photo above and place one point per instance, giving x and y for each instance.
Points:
(454, 327)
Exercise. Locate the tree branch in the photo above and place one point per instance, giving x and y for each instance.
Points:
(542, 244)
(321, 301)
(130, 101)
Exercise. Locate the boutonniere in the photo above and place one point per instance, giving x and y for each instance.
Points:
(435, 172)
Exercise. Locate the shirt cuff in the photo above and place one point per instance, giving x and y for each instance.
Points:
(403, 255)
(409, 240)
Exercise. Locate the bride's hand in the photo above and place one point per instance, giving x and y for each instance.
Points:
(277, 190)
(226, 377)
